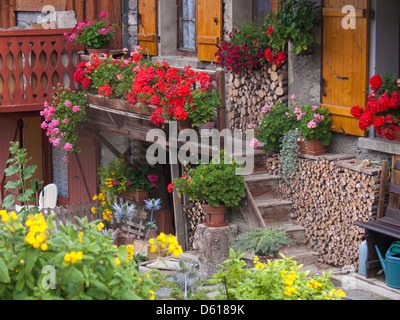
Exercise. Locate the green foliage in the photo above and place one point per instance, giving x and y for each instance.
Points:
(101, 272)
(279, 279)
(205, 103)
(117, 73)
(216, 182)
(292, 22)
(18, 166)
(289, 152)
(262, 241)
(278, 120)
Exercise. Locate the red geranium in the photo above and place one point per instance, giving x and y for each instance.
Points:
(376, 83)
(382, 109)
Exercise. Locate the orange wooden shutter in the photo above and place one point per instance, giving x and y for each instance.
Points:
(209, 28)
(344, 64)
(148, 26)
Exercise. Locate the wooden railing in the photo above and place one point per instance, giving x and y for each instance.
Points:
(32, 63)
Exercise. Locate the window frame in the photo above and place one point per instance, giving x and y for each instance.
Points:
(180, 50)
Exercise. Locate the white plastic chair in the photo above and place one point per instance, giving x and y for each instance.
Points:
(48, 197)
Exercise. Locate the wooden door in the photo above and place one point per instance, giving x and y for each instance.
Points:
(344, 63)
(82, 171)
(147, 35)
(209, 28)
(9, 131)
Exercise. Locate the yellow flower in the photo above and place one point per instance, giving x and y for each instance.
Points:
(93, 210)
(100, 226)
(43, 246)
(14, 216)
(5, 217)
(117, 262)
(95, 197)
(67, 257)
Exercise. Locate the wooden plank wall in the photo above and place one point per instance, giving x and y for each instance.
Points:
(84, 9)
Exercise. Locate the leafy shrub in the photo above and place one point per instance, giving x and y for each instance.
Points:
(279, 279)
(262, 241)
(76, 262)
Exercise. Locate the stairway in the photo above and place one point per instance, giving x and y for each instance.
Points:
(263, 208)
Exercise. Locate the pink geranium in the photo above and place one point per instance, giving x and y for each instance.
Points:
(67, 146)
(75, 108)
(254, 143)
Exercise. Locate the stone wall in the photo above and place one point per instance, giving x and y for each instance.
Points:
(249, 92)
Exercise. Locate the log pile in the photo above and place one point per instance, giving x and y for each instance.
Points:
(328, 197)
(195, 215)
(249, 92)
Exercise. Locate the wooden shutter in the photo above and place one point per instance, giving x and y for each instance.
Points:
(148, 26)
(344, 64)
(209, 28)
(82, 171)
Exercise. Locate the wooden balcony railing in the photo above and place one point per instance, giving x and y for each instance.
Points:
(32, 63)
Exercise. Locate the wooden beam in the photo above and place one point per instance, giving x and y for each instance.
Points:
(180, 226)
(96, 134)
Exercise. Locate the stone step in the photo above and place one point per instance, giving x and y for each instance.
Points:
(295, 232)
(274, 211)
(302, 256)
(262, 186)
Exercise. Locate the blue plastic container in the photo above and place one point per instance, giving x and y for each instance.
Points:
(362, 260)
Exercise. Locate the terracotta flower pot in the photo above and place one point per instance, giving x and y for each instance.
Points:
(141, 195)
(98, 51)
(313, 147)
(215, 216)
(128, 194)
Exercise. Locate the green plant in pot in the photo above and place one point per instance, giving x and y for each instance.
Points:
(314, 125)
(95, 35)
(217, 184)
(277, 120)
(267, 242)
(204, 104)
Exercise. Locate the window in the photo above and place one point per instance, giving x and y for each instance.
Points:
(186, 25)
(260, 8)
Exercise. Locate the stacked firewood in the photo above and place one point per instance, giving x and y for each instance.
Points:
(195, 215)
(249, 92)
(328, 197)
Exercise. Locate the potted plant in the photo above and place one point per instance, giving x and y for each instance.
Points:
(204, 103)
(95, 36)
(263, 242)
(61, 118)
(217, 184)
(248, 48)
(313, 126)
(383, 107)
(140, 179)
(277, 120)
